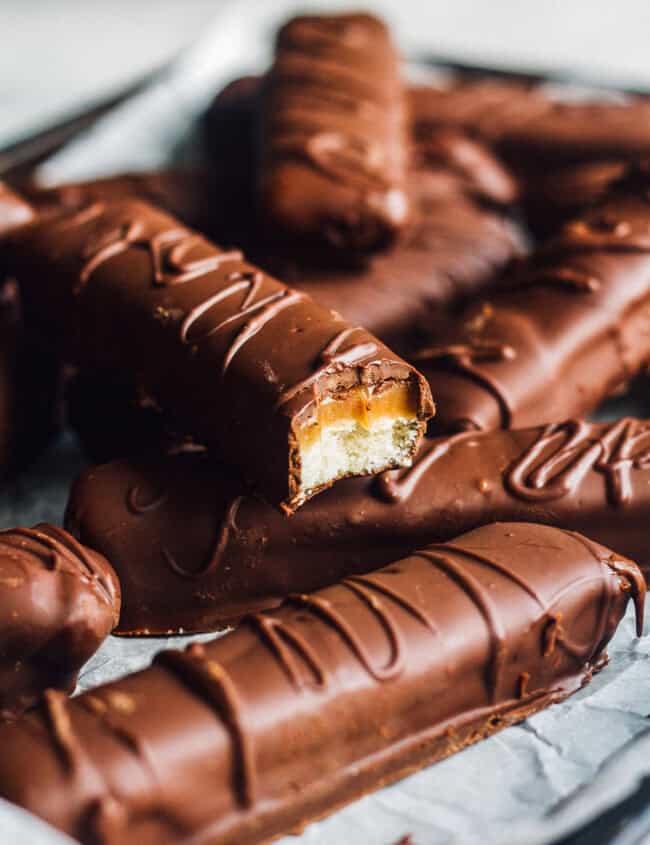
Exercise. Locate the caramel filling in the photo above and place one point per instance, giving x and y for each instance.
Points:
(360, 405)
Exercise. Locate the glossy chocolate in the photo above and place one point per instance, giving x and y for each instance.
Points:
(454, 245)
(553, 197)
(183, 193)
(573, 328)
(374, 678)
(58, 602)
(194, 550)
(457, 241)
(233, 356)
(531, 128)
(334, 139)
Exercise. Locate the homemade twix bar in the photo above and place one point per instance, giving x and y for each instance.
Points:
(58, 602)
(374, 677)
(573, 328)
(334, 133)
(193, 550)
(290, 392)
(530, 126)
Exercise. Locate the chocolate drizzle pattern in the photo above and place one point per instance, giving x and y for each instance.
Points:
(558, 460)
(592, 279)
(250, 736)
(320, 68)
(332, 358)
(138, 508)
(168, 249)
(209, 680)
(228, 524)
(334, 133)
(467, 358)
(397, 485)
(58, 550)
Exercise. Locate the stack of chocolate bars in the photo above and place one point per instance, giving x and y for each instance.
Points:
(364, 446)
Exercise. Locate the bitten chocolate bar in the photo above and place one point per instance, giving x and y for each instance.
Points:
(194, 550)
(334, 133)
(572, 329)
(58, 602)
(373, 678)
(287, 390)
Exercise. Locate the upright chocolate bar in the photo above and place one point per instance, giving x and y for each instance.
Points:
(334, 133)
(194, 550)
(58, 602)
(373, 678)
(457, 241)
(287, 390)
(573, 328)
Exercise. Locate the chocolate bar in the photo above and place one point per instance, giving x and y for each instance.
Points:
(183, 193)
(373, 678)
(573, 327)
(552, 198)
(194, 550)
(530, 128)
(458, 239)
(289, 391)
(457, 242)
(58, 602)
(333, 150)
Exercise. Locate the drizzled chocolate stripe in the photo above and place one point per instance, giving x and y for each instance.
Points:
(58, 602)
(334, 133)
(579, 305)
(589, 477)
(371, 685)
(224, 350)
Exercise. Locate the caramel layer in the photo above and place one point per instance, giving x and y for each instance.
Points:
(362, 406)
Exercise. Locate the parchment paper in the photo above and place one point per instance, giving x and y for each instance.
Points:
(529, 784)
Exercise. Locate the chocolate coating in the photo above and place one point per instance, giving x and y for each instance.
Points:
(183, 193)
(374, 677)
(334, 133)
(453, 246)
(458, 238)
(552, 198)
(58, 602)
(234, 357)
(194, 550)
(573, 328)
(530, 128)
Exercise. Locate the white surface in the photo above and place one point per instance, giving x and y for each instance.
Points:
(59, 54)
(501, 790)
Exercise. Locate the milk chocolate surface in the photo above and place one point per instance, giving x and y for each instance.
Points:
(373, 678)
(573, 327)
(183, 193)
(234, 357)
(58, 602)
(457, 241)
(530, 128)
(333, 150)
(193, 549)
